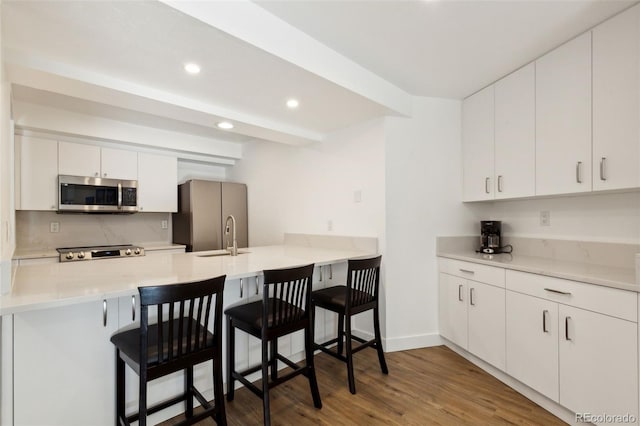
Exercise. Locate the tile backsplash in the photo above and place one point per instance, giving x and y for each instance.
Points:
(33, 229)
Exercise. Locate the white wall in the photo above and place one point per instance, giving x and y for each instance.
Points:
(594, 217)
(301, 189)
(423, 190)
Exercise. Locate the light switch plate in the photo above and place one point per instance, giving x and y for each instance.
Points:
(54, 227)
(164, 224)
(545, 218)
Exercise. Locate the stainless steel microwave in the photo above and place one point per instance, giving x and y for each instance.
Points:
(97, 195)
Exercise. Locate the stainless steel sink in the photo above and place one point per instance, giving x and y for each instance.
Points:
(221, 253)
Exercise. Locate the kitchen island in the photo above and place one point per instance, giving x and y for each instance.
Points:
(58, 318)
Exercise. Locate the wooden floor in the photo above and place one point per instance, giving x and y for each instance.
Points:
(430, 386)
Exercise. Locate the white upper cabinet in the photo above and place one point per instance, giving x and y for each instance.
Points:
(563, 119)
(119, 164)
(78, 160)
(88, 160)
(36, 173)
(477, 146)
(515, 145)
(616, 102)
(157, 183)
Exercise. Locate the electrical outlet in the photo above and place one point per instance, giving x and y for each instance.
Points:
(164, 224)
(545, 218)
(54, 227)
(330, 225)
(357, 196)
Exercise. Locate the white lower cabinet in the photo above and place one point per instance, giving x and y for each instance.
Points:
(532, 342)
(598, 363)
(472, 313)
(64, 365)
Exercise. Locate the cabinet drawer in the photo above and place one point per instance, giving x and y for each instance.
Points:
(609, 301)
(473, 271)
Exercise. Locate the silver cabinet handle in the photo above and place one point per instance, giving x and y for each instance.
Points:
(468, 271)
(241, 288)
(257, 284)
(472, 291)
(544, 321)
(566, 293)
(119, 195)
(460, 293)
(97, 174)
(330, 272)
(566, 328)
(486, 185)
(499, 183)
(578, 170)
(133, 308)
(104, 175)
(104, 312)
(320, 267)
(603, 161)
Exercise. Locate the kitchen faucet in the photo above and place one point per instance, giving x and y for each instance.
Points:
(234, 248)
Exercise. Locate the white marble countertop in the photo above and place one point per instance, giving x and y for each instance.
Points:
(57, 284)
(609, 276)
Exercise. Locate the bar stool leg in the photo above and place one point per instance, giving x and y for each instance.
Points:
(218, 392)
(142, 403)
(120, 388)
(231, 354)
(376, 326)
(274, 359)
(347, 333)
(340, 333)
(188, 385)
(265, 382)
(311, 370)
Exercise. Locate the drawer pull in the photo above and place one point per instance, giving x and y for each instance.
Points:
(602, 168)
(467, 271)
(330, 272)
(257, 284)
(486, 185)
(566, 329)
(104, 312)
(578, 172)
(472, 291)
(241, 288)
(460, 293)
(133, 308)
(544, 321)
(500, 183)
(566, 293)
(320, 267)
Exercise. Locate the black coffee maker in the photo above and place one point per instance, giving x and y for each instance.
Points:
(491, 236)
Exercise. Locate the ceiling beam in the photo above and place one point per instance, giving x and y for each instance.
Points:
(252, 24)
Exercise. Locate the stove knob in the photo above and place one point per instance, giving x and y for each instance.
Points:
(128, 252)
(137, 250)
(69, 255)
(81, 255)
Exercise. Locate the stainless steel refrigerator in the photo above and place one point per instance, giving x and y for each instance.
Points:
(203, 207)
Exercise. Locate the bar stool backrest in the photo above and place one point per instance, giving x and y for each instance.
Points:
(184, 335)
(286, 296)
(363, 281)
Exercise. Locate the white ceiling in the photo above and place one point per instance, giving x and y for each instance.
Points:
(347, 61)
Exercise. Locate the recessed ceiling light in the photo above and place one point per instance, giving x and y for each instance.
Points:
(192, 68)
(225, 125)
(293, 103)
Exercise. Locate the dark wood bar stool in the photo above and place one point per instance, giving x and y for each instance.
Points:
(179, 343)
(284, 309)
(359, 295)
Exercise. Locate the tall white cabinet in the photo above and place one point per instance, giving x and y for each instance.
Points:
(616, 102)
(36, 174)
(563, 119)
(157, 183)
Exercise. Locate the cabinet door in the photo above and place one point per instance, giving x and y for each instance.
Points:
(119, 164)
(598, 363)
(453, 309)
(157, 183)
(563, 119)
(486, 320)
(616, 102)
(515, 145)
(38, 174)
(532, 342)
(477, 146)
(78, 159)
(65, 366)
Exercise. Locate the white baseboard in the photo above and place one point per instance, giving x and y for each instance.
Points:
(404, 343)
